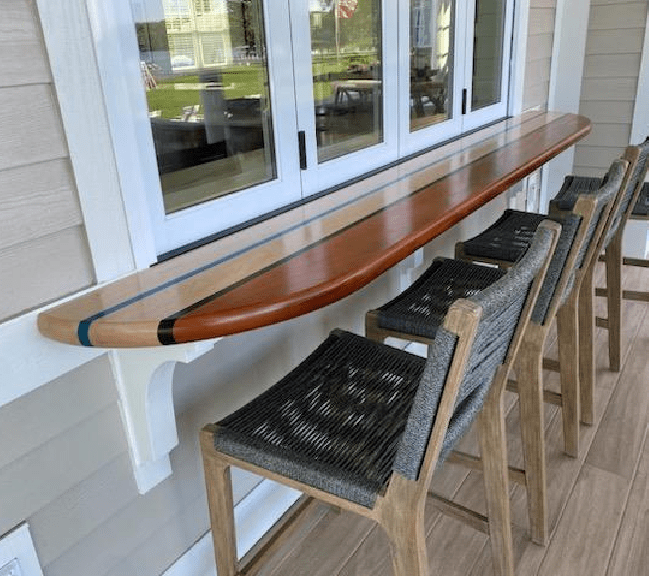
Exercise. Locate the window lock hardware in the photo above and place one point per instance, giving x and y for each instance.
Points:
(301, 138)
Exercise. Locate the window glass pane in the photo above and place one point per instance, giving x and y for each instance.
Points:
(431, 61)
(487, 53)
(205, 70)
(347, 75)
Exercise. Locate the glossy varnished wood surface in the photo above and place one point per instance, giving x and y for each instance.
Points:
(313, 255)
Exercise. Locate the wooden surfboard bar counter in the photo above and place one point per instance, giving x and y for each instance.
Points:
(315, 254)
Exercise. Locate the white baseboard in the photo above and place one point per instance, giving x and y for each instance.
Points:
(255, 514)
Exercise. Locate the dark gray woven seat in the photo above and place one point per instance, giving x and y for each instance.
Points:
(572, 187)
(575, 185)
(508, 239)
(421, 308)
(335, 421)
(355, 410)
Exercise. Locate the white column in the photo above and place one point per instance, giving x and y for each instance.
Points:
(570, 31)
(636, 232)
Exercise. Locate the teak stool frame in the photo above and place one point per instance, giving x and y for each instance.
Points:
(528, 366)
(400, 509)
(613, 259)
(587, 319)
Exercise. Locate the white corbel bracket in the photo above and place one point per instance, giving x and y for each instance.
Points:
(144, 379)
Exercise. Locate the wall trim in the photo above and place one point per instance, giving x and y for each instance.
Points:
(30, 360)
(636, 232)
(519, 56)
(640, 126)
(566, 72)
(255, 514)
(78, 89)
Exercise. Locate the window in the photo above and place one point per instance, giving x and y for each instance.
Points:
(253, 106)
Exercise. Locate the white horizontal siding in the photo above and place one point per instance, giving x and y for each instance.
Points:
(609, 85)
(43, 245)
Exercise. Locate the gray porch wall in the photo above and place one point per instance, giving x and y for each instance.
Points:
(41, 227)
(613, 52)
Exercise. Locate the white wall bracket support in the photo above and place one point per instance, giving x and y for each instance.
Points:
(144, 379)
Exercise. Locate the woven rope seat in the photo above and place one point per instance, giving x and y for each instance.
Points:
(335, 421)
(575, 185)
(420, 309)
(510, 236)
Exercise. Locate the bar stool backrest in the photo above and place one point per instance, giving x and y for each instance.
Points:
(505, 305)
(593, 209)
(631, 190)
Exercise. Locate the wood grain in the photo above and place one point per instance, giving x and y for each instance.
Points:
(583, 542)
(410, 205)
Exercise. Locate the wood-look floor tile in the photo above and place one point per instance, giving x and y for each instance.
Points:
(584, 539)
(623, 428)
(631, 552)
(329, 545)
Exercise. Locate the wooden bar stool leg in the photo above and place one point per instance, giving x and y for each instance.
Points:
(372, 330)
(493, 447)
(587, 347)
(613, 261)
(529, 367)
(221, 505)
(403, 521)
(568, 337)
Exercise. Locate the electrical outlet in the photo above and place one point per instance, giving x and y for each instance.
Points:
(11, 568)
(17, 553)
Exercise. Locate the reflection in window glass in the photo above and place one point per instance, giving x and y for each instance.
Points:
(487, 53)
(205, 71)
(347, 75)
(431, 61)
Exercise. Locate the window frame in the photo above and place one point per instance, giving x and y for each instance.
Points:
(115, 216)
(121, 68)
(413, 141)
(131, 155)
(171, 231)
(475, 118)
(320, 176)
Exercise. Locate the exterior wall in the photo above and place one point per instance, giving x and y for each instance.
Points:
(41, 228)
(64, 463)
(539, 53)
(614, 46)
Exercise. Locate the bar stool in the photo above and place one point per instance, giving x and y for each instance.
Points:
(640, 212)
(612, 246)
(504, 243)
(362, 425)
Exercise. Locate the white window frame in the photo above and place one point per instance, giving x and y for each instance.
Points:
(116, 217)
(120, 70)
(412, 141)
(124, 96)
(476, 118)
(320, 176)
